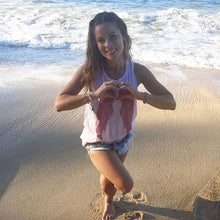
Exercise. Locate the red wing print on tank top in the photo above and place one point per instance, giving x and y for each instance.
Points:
(105, 111)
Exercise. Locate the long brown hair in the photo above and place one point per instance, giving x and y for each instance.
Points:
(94, 59)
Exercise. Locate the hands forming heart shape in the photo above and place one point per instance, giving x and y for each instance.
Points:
(118, 94)
(120, 91)
(112, 90)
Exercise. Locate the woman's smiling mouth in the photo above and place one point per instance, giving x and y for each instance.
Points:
(111, 52)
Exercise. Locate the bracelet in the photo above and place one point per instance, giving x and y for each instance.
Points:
(145, 97)
(89, 96)
(141, 96)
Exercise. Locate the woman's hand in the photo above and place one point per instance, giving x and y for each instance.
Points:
(111, 89)
(106, 90)
(127, 91)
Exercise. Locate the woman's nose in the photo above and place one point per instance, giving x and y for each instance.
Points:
(108, 43)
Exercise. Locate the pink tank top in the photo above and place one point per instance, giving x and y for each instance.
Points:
(108, 120)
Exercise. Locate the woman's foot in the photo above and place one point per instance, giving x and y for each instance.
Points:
(109, 211)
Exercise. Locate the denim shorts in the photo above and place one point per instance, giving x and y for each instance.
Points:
(120, 146)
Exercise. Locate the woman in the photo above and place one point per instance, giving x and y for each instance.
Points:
(111, 79)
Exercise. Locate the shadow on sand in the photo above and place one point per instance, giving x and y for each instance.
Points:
(206, 209)
(8, 172)
(129, 210)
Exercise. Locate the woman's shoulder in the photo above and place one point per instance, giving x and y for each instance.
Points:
(81, 68)
(141, 72)
(79, 73)
(140, 68)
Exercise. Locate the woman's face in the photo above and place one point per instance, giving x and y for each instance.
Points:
(109, 41)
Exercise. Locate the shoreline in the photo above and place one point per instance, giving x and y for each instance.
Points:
(44, 170)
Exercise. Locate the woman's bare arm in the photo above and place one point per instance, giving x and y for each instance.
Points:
(69, 97)
(159, 96)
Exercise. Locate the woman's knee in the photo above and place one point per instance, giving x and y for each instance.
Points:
(105, 184)
(126, 185)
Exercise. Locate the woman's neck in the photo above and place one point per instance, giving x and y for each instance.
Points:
(115, 70)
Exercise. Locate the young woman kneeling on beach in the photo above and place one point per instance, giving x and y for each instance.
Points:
(111, 79)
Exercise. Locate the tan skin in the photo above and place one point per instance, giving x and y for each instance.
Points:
(113, 174)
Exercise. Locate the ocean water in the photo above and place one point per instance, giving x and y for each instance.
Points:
(54, 32)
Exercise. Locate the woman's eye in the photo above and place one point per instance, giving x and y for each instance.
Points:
(101, 41)
(114, 37)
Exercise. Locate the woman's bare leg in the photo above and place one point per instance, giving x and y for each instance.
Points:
(113, 176)
(109, 191)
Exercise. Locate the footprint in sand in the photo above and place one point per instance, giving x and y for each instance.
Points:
(134, 196)
(131, 216)
(125, 205)
(96, 206)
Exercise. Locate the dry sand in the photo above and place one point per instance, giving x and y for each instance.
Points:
(45, 174)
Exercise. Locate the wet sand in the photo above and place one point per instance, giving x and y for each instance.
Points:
(46, 174)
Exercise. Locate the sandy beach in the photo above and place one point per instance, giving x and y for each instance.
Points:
(45, 174)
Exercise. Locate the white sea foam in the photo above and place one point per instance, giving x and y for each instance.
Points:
(15, 76)
(178, 36)
(184, 36)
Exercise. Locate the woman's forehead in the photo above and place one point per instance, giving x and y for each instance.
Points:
(105, 29)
